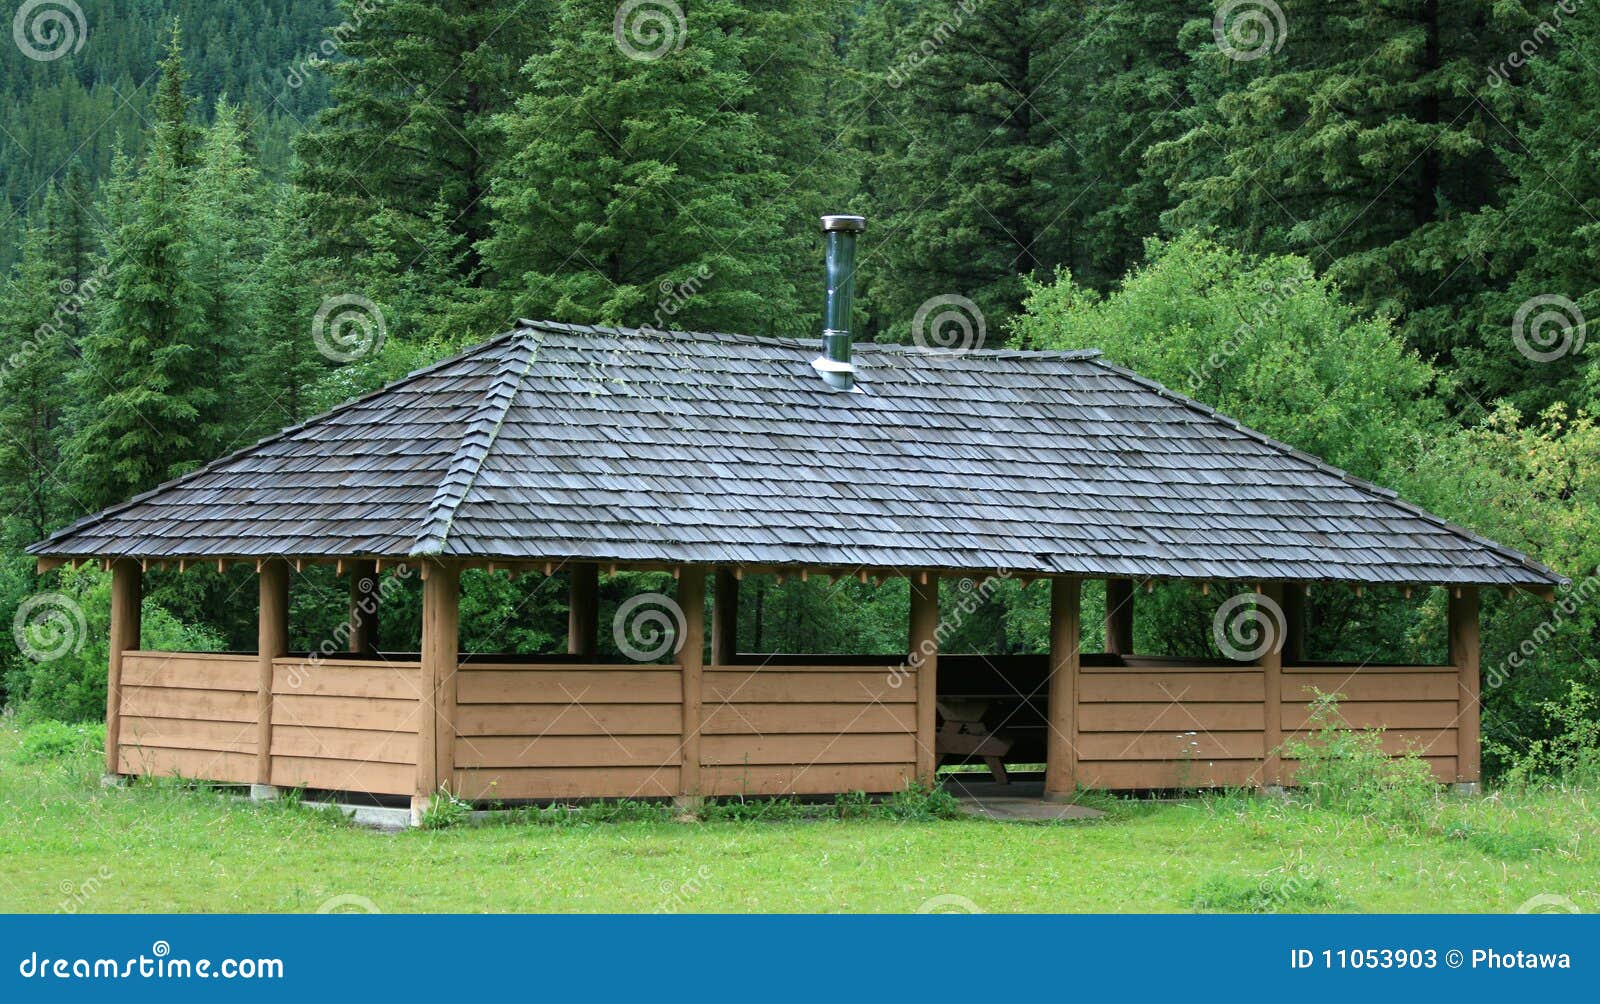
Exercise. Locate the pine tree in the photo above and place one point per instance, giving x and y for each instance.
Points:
(36, 314)
(1354, 138)
(415, 91)
(1539, 251)
(284, 366)
(224, 243)
(637, 191)
(983, 167)
(177, 136)
(150, 401)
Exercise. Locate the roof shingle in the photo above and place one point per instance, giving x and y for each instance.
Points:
(559, 442)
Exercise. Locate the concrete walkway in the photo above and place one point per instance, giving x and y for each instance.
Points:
(1019, 801)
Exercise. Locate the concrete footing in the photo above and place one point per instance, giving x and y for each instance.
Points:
(1059, 797)
(1466, 789)
(263, 793)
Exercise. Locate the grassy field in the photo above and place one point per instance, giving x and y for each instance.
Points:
(70, 845)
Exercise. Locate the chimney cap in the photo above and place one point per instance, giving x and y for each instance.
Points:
(850, 224)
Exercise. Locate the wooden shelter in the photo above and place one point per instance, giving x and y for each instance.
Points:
(587, 450)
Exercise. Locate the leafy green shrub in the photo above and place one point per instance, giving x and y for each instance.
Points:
(853, 805)
(918, 801)
(445, 810)
(1347, 770)
(1286, 891)
(53, 740)
(1572, 749)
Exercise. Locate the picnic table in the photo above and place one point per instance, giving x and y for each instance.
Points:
(964, 734)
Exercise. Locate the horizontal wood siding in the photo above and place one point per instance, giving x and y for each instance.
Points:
(807, 730)
(1156, 724)
(345, 724)
(1414, 705)
(189, 714)
(1170, 725)
(567, 731)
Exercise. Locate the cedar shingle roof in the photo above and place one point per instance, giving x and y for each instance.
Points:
(557, 442)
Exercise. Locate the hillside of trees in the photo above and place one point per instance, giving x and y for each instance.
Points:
(1367, 230)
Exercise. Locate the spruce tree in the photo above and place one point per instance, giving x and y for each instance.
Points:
(225, 222)
(982, 165)
(150, 404)
(636, 191)
(284, 366)
(415, 89)
(36, 314)
(1353, 136)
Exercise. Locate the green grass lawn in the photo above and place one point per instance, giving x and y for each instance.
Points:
(69, 844)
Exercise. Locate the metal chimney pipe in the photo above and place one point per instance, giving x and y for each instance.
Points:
(839, 238)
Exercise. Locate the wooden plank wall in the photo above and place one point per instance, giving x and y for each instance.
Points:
(1414, 705)
(567, 731)
(800, 730)
(345, 725)
(187, 714)
(1178, 726)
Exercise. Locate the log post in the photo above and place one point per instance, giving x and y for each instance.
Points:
(1270, 597)
(583, 601)
(127, 594)
(436, 727)
(363, 607)
(1061, 737)
(1119, 616)
(725, 618)
(272, 642)
(691, 664)
(1464, 657)
(1294, 622)
(924, 661)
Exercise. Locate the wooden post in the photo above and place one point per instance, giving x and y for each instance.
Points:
(272, 642)
(127, 594)
(363, 607)
(1061, 737)
(1119, 616)
(691, 664)
(725, 618)
(924, 660)
(583, 600)
(1294, 623)
(1464, 657)
(436, 731)
(1271, 663)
